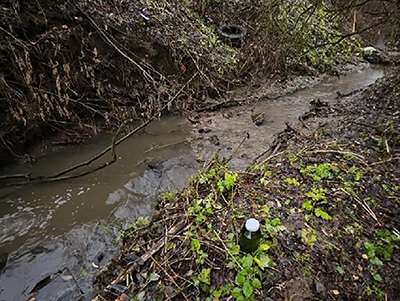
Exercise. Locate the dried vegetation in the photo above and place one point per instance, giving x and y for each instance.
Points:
(73, 66)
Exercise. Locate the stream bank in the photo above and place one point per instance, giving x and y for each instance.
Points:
(156, 161)
(329, 205)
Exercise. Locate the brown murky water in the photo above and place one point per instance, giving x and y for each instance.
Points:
(231, 126)
(52, 231)
(35, 219)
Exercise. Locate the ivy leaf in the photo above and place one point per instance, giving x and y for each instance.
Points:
(231, 265)
(340, 270)
(376, 261)
(256, 283)
(307, 205)
(230, 180)
(321, 213)
(230, 236)
(387, 252)
(377, 277)
(240, 278)
(205, 276)
(266, 260)
(236, 292)
(247, 261)
(247, 289)
(195, 245)
(370, 248)
(235, 250)
(263, 247)
(217, 293)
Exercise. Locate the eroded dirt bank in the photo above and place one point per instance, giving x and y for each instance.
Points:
(327, 196)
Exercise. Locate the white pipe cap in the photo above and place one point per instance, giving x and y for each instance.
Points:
(252, 225)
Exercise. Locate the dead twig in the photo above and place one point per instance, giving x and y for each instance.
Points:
(174, 230)
(56, 177)
(385, 161)
(345, 153)
(363, 204)
(16, 176)
(247, 136)
(273, 154)
(108, 40)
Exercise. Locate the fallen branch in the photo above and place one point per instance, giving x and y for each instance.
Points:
(326, 151)
(16, 176)
(56, 177)
(385, 161)
(363, 204)
(106, 150)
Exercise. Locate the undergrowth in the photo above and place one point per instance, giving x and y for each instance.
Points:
(315, 229)
(81, 64)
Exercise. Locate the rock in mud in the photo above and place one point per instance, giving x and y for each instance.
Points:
(320, 288)
(258, 119)
(375, 56)
(204, 130)
(214, 140)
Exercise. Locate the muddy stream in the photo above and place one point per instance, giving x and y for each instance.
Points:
(55, 236)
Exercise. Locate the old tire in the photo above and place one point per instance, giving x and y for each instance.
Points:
(232, 34)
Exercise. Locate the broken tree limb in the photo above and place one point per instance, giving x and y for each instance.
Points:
(106, 150)
(16, 176)
(56, 178)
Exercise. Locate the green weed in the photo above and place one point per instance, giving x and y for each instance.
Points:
(309, 236)
(320, 172)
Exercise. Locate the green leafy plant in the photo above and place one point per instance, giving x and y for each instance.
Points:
(321, 213)
(340, 270)
(292, 181)
(197, 252)
(371, 250)
(266, 178)
(203, 279)
(247, 279)
(274, 226)
(356, 172)
(169, 196)
(317, 196)
(320, 172)
(307, 205)
(309, 236)
(228, 182)
(223, 290)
